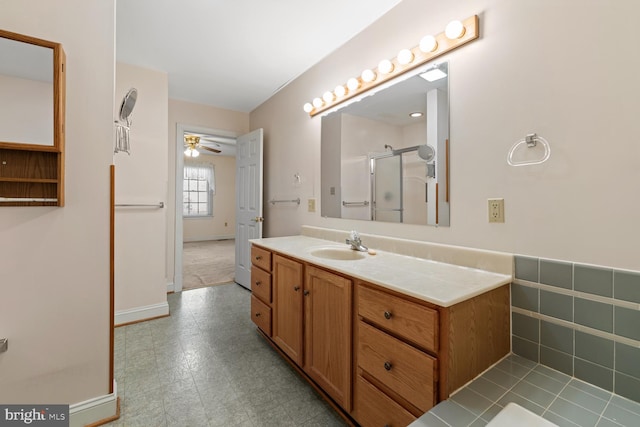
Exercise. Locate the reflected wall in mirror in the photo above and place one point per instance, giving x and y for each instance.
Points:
(386, 157)
(28, 89)
(32, 97)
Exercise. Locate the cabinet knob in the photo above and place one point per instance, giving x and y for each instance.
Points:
(257, 314)
(258, 283)
(306, 293)
(258, 258)
(387, 315)
(296, 288)
(387, 366)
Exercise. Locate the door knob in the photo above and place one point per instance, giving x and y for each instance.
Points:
(258, 219)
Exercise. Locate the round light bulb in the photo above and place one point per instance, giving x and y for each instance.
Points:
(368, 76)
(307, 107)
(428, 44)
(340, 91)
(385, 66)
(405, 56)
(317, 102)
(195, 153)
(328, 96)
(353, 84)
(187, 152)
(454, 30)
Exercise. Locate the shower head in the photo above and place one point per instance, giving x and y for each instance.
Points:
(388, 147)
(426, 152)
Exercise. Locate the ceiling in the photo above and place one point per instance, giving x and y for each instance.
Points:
(235, 54)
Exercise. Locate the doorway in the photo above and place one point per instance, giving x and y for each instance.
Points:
(218, 139)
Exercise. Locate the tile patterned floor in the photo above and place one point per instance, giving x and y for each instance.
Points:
(206, 366)
(559, 398)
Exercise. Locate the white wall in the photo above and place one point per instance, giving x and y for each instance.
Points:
(141, 178)
(222, 224)
(203, 116)
(566, 70)
(54, 262)
(28, 117)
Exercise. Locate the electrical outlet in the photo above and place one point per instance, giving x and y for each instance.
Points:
(312, 205)
(496, 210)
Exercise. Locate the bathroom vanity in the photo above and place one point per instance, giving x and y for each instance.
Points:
(383, 337)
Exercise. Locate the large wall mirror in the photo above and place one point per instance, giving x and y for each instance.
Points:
(30, 90)
(32, 116)
(386, 156)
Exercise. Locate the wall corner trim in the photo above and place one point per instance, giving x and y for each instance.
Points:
(138, 314)
(95, 409)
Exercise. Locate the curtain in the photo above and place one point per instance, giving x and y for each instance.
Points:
(201, 171)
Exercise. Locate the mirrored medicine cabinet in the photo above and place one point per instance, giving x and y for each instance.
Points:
(32, 118)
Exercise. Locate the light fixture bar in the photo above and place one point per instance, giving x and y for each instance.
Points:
(360, 85)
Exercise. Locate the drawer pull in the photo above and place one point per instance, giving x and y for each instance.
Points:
(387, 366)
(258, 283)
(257, 314)
(296, 288)
(387, 315)
(306, 293)
(258, 258)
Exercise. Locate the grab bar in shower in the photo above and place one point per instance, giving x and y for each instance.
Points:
(364, 203)
(296, 201)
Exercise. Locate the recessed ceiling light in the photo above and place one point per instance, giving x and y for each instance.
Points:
(433, 75)
(416, 114)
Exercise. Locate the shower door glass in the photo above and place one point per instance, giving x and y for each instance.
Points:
(386, 188)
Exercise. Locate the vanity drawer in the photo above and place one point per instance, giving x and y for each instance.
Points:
(407, 319)
(376, 409)
(404, 369)
(261, 258)
(261, 284)
(261, 315)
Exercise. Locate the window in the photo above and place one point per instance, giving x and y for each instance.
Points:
(198, 190)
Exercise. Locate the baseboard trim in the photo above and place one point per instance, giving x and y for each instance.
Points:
(171, 287)
(141, 313)
(204, 239)
(95, 411)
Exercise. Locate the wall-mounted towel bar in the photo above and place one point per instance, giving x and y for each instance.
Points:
(531, 140)
(133, 205)
(296, 201)
(363, 203)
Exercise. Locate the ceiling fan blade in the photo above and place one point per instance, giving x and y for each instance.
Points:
(209, 149)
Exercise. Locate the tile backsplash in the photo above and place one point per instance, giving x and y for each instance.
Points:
(579, 319)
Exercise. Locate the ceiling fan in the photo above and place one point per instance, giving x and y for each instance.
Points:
(191, 142)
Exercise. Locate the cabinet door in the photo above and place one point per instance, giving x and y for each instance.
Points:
(287, 306)
(328, 333)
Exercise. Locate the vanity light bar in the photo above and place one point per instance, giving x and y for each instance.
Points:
(456, 34)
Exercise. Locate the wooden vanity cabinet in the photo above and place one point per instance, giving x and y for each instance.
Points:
(287, 306)
(411, 354)
(380, 357)
(328, 333)
(261, 289)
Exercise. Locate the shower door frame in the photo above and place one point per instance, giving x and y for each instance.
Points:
(372, 170)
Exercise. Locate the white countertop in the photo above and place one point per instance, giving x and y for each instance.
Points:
(435, 282)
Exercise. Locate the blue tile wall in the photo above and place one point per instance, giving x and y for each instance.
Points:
(575, 296)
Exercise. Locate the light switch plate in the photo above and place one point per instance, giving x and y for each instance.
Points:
(312, 205)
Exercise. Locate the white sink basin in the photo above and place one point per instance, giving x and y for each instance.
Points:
(337, 253)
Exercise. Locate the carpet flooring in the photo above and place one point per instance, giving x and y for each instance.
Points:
(208, 263)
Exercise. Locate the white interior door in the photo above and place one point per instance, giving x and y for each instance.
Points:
(248, 201)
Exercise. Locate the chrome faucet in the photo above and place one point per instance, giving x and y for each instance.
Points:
(356, 243)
